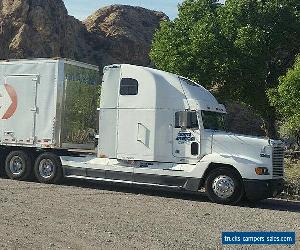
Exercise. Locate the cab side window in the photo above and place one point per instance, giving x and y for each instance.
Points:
(186, 119)
(129, 86)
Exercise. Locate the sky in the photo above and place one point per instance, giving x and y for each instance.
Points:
(83, 8)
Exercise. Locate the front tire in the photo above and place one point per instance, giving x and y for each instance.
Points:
(224, 186)
(48, 168)
(18, 165)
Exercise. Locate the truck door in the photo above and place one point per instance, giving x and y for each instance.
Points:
(18, 109)
(186, 135)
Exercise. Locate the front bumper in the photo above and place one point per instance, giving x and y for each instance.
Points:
(262, 189)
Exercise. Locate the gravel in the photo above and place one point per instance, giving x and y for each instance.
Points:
(82, 215)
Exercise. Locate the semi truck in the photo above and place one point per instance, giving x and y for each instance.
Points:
(137, 126)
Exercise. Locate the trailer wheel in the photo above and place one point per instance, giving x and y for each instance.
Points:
(48, 169)
(18, 165)
(224, 186)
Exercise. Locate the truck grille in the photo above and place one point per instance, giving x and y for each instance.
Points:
(278, 161)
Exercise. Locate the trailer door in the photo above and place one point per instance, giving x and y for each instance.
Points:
(18, 109)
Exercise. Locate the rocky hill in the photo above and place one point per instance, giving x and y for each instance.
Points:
(43, 28)
(123, 33)
(40, 28)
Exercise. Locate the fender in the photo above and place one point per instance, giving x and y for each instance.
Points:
(245, 166)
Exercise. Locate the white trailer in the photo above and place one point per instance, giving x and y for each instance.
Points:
(156, 129)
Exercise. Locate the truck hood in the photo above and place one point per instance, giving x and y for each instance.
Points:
(254, 149)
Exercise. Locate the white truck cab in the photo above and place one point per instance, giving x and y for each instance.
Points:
(156, 129)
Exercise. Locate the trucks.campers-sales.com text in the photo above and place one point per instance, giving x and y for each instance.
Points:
(278, 238)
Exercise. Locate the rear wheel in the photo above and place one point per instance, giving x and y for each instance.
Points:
(18, 165)
(224, 186)
(48, 168)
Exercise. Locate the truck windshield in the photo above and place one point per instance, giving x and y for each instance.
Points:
(213, 120)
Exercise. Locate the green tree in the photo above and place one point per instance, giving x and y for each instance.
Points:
(239, 49)
(286, 99)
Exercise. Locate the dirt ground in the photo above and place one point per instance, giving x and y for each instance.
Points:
(81, 215)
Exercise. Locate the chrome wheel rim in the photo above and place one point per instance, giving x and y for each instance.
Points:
(46, 168)
(16, 165)
(223, 186)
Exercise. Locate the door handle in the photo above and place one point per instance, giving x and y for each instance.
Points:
(35, 109)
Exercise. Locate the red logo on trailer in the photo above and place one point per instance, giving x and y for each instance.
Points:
(9, 97)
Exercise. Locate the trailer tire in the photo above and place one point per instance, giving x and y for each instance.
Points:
(223, 185)
(18, 165)
(48, 168)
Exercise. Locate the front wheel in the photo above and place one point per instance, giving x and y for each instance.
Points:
(48, 169)
(224, 186)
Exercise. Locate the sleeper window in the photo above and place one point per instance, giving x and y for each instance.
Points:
(129, 86)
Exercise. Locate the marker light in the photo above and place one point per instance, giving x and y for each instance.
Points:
(261, 171)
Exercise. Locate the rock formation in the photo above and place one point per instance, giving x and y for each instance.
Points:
(123, 33)
(40, 28)
(43, 28)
